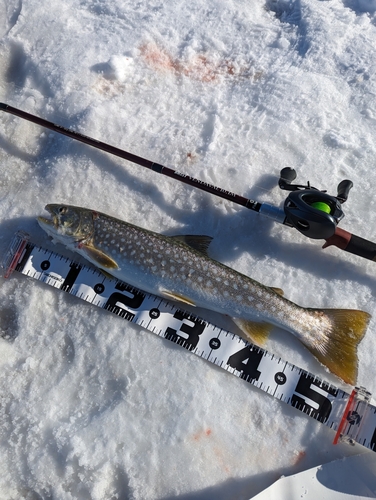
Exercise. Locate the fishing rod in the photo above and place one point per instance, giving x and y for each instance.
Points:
(312, 212)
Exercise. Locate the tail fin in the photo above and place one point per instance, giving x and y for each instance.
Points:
(338, 348)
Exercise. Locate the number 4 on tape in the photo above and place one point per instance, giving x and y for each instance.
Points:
(351, 416)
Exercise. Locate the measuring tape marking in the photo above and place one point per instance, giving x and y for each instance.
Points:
(352, 416)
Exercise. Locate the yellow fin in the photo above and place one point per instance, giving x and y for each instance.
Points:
(178, 297)
(255, 331)
(338, 351)
(277, 290)
(98, 257)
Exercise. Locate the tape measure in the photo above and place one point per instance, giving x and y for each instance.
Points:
(351, 416)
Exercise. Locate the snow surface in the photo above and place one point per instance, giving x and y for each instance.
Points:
(230, 92)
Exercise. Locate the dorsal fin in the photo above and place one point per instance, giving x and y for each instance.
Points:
(198, 242)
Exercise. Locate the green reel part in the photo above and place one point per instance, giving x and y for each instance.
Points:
(320, 205)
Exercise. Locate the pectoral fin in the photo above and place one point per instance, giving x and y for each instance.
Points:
(178, 297)
(255, 331)
(98, 257)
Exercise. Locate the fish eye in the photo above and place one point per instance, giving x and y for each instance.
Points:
(63, 210)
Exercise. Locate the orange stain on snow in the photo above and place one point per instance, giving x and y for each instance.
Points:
(215, 449)
(299, 456)
(199, 435)
(157, 58)
(201, 67)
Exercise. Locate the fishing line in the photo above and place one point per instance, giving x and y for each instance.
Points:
(351, 416)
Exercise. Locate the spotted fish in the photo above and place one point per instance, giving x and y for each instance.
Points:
(178, 268)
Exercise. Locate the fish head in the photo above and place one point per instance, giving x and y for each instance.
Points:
(68, 224)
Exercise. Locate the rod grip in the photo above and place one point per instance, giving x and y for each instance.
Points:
(352, 244)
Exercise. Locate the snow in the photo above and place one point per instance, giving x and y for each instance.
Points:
(229, 92)
(348, 477)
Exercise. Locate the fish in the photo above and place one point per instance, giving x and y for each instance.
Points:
(179, 268)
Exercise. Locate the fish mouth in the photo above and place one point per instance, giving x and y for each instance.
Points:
(51, 223)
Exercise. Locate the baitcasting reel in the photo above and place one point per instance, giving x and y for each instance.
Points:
(312, 212)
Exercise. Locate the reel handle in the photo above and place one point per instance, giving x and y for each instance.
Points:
(343, 190)
(287, 175)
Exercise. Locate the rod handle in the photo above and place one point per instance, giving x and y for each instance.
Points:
(352, 244)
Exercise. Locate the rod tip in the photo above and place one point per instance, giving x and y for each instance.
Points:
(3, 106)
